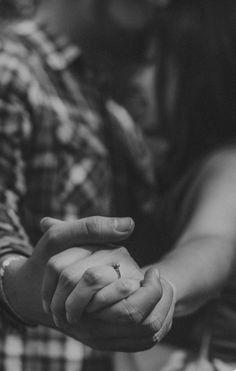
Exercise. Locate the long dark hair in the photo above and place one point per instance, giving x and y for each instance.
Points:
(196, 83)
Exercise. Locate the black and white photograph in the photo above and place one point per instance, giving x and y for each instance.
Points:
(117, 185)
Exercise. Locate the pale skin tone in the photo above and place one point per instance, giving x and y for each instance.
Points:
(204, 257)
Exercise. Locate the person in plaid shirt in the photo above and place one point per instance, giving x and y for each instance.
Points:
(67, 153)
(59, 158)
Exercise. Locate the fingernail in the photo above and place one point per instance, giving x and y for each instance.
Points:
(156, 338)
(45, 307)
(123, 225)
(44, 223)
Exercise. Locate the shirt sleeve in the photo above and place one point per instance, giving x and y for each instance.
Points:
(14, 130)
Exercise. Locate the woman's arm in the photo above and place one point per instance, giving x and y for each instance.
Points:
(204, 256)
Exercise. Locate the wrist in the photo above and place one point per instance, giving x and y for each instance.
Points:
(5, 297)
(22, 292)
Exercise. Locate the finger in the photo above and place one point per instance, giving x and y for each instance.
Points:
(78, 265)
(122, 345)
(167, 323)
(103, 336)
(111, 294)
(55, 266)
(101, 257)
(137, 306)
(47, 223)
(159, 320)
(92, 230)
(158, 336)
(94, 279)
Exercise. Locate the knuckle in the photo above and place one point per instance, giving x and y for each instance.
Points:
(91, 277)
(93, 226)
(122, 250)
(67, 280)
(125, 287)
(101, 298)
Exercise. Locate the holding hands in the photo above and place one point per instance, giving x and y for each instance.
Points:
(99, 296)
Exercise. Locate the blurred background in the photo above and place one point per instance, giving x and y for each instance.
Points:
(16, 8)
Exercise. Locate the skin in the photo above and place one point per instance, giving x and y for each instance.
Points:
(140, 307)
(31, 282)
(203, 259)
(69, 266)
(196, 269)
(200, 264)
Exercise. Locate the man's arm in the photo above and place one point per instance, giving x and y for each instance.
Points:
(204, 257)
(55, 253)
(14, 130)
(24, 278)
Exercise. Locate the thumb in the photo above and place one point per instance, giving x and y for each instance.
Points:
(46, 223)
(91, 230)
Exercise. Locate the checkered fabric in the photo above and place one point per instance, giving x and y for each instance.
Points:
(55, 160)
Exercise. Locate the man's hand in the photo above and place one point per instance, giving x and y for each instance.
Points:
(24, 278)
(150, 308)
(127, 314)
(132, 324)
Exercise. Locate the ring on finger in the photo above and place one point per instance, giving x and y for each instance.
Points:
(116, 267)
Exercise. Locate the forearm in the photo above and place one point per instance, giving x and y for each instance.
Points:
(204, 257)
(198, 268)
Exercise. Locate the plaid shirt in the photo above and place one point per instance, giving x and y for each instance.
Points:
(55, 160)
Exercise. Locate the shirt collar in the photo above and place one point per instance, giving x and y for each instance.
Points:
(58, 51)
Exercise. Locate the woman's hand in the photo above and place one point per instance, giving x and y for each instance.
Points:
(132, 324)
(71, 281)
(135, 320)
(130, 314)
